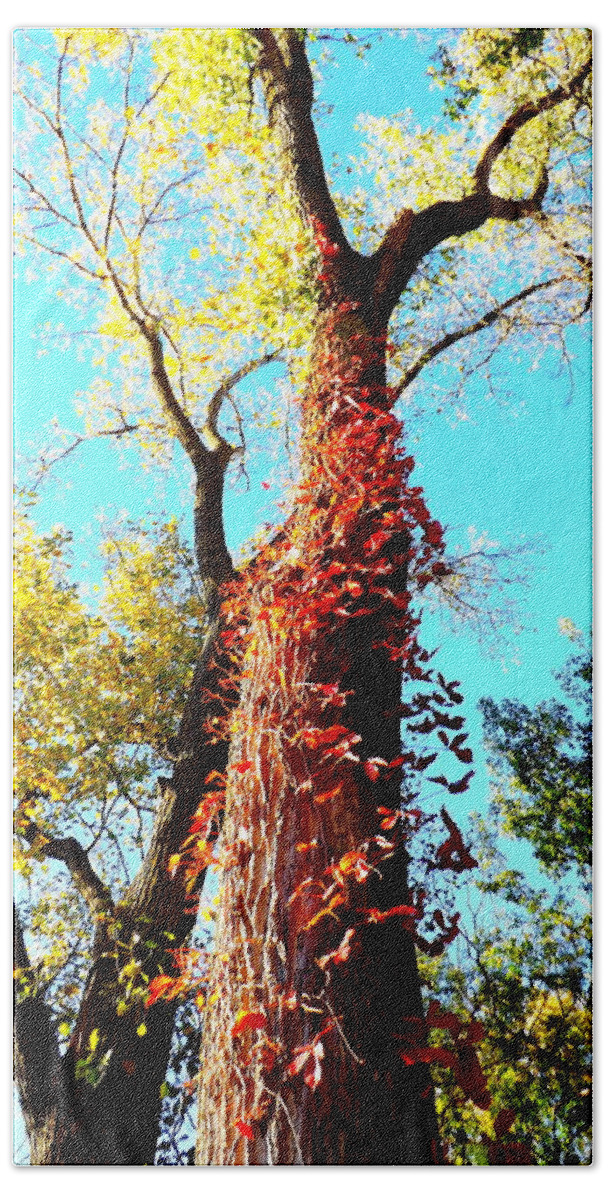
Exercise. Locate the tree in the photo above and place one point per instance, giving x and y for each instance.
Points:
(523, 977)
(291, 732)
(548, 750)
(526, 976)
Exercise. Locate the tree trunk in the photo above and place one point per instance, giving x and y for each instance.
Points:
(301, 1050)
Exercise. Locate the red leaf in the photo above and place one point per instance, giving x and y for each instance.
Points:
(471, 1078)
(372, 767)
(438, 1019)
(475, 1033)
(429, 1054)
(162, 987)
(375, 916)
(421, 764)
(434, 533)
(324, 737)
(354, 587)
(312, 1075)
(340, 954)
(243, 766)
(461, 786)
(453, 855)
(244, 1129)
(376, 541)
(323, 797)
(355, 863)
(248, 1020)
(389, 817)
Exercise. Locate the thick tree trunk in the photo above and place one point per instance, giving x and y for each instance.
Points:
(301, 1052)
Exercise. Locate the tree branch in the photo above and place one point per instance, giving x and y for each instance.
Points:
(97, 275)
(520, 117)
(489, 318)
(69, 851)
(121, 148)
(222, 393)
(289, 91)
(413, 235)
(183, 428)
(59, 130)
(80, 440)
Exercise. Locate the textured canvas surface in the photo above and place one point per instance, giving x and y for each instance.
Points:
(303, 604)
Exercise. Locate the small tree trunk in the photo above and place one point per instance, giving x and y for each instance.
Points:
(301, 1050)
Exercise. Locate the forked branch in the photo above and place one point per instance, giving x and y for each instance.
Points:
(69, 851)
(520, 117)
(413, 235)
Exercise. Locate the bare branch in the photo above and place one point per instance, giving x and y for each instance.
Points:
(98, 275)
(121, 149)
(148, 217)
(80, 440)
(45, 200)
(488, 319)
(222, 393)
(152, 97)
(59, 130)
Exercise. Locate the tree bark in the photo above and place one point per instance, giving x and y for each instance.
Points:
(367, 1106)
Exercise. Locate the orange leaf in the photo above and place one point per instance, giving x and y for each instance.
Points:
(328, 911)
(323, 797)
(301, 847)
(248, 1020)
(162, 987)
(355, 863)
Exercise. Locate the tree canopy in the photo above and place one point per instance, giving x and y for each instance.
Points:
(246, 304)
